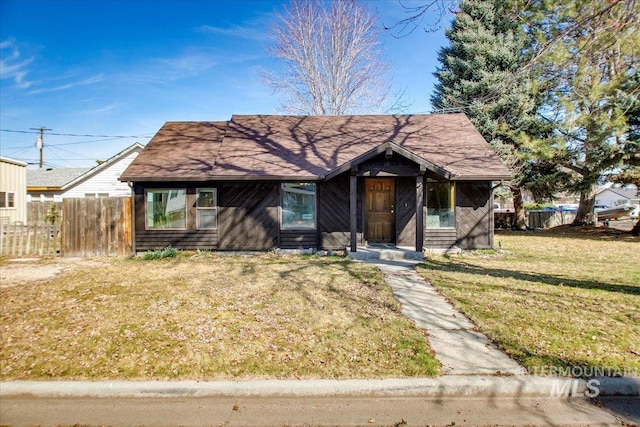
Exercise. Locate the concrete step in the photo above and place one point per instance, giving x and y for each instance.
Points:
(389, 252)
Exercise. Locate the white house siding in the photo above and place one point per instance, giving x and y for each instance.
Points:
(13, 179)
(104, 182)
(612, 198)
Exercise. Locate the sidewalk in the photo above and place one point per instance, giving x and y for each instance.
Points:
(459, 348)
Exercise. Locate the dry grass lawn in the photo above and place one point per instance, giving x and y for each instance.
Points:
(567, 297)
(202, 316)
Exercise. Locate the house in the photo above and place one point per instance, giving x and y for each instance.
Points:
(618, 196)
(99, 181)
(13, 190)
(259, 182)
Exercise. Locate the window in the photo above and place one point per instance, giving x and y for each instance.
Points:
(7, 199)
(167, 208)
(207, 208)
(440, 204)
(298, 206)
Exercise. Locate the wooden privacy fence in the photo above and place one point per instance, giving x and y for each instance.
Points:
(39, 213)
(96, 226)
(18, 240)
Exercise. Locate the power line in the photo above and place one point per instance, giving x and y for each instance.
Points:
(75, 134)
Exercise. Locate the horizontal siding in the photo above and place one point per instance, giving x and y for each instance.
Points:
(298, 239)
(105, 181)
(188, 239)
(444, 238)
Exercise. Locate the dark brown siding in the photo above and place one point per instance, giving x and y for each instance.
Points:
(333, 212)
(182, 239)
(298, 239)
(473, 214)
(248, 216)
(439, 238)
(406, 211)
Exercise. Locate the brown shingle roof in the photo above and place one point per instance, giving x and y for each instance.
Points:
(309, 147)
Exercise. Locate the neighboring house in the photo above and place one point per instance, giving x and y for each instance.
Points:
(264, 182)
(13, 190)
(617, 197)
(99, 181)
(45, 185)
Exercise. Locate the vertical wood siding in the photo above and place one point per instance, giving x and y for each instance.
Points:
(248, 216)
(406, 211)
(473, 214)
(333, 213)
(13, 178)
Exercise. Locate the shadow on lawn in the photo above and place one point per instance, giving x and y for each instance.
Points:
(462, 267)
(600, 234)
(369, 278)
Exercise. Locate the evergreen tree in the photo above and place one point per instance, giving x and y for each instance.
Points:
(591, 95)
(479, 73)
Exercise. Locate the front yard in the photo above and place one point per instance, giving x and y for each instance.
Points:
(567, 297)
(202, 316)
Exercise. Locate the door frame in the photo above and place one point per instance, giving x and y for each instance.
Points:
(365, 212)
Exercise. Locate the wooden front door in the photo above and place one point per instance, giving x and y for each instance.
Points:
(380, 219)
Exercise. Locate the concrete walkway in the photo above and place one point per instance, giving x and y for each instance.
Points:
(458, 347)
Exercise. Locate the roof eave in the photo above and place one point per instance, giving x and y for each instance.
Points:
(223, 178)
(481, 178)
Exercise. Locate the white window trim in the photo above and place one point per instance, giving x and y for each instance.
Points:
(6, 200)
(214, 208)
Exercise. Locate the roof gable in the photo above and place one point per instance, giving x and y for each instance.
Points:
(104, 165)
(312, 147)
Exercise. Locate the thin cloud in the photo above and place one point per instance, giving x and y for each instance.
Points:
(12, 66)
(91, 80)
(170, 69)
(248, 32)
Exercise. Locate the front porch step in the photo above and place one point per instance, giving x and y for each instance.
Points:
(386, 252)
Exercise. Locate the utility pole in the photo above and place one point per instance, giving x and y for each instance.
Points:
(40, 143)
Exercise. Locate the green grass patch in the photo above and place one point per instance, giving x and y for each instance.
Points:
(205, 316)
(167, 252)
(554, 299)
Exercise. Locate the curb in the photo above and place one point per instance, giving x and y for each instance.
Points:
(450, 386)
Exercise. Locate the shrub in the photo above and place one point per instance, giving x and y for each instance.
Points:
(167, 252)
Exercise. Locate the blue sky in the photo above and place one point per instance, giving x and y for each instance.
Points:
(123, 68)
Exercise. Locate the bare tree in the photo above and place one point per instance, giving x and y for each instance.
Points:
(330, 59)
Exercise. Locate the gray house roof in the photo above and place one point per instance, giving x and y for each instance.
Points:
(52, 179)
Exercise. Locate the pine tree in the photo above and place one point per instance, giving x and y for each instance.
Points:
(480, 74)
(592, 87)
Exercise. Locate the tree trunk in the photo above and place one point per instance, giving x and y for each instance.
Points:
(636, 229)
(518, 208)
(585, 215)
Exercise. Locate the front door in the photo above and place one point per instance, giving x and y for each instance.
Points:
(380, 219)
